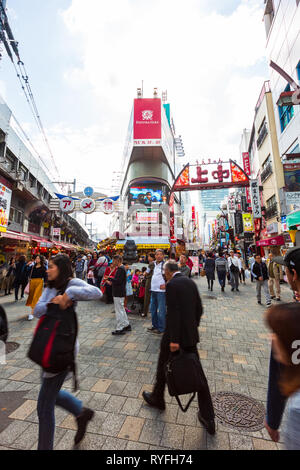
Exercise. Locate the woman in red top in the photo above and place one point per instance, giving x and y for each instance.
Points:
(110, 271)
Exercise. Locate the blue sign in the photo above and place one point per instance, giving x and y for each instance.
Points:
(88, 192)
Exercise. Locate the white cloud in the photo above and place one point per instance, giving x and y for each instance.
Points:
(209, 63)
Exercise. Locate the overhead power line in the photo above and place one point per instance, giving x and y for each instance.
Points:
(11, 46)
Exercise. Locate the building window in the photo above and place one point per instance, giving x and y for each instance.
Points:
(262, 133)
(16, 216)
(266, 169)
(286, 113)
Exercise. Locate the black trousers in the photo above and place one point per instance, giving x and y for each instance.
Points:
(19, 284)
(204, 397)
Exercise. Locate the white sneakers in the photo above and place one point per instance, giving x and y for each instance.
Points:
(30, 317)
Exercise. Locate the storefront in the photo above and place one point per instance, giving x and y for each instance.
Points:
(13, 244)
(273, 244)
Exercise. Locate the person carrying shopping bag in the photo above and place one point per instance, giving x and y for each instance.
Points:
(64, 291)
(37, 278)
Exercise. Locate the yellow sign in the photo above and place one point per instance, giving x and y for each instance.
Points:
(248, 223)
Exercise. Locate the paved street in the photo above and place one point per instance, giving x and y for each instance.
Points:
(113, 372)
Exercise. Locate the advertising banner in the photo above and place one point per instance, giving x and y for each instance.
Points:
(56, 232)
(5, 200)
(255, 197)
(248, 223)
(292, 177)
(147, 121)
(147, 217)
(246, 163)
(292, 198)
(145, 196)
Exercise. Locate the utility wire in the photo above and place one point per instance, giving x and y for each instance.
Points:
(27, 88)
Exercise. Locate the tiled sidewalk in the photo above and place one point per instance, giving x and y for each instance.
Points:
(113, 372)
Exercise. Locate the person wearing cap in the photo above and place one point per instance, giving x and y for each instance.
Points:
(275, 400)
(260, 273)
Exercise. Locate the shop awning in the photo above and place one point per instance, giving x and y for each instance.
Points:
(43, 242)
(16, 236)
(274, 241)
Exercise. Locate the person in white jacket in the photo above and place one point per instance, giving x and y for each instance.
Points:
(60, 279)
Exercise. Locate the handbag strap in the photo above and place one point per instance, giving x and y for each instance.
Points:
(189, 402)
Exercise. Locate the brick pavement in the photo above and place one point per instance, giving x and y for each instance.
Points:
(113, 372)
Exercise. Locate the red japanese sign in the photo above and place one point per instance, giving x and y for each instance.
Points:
(210, 176)
(147, 119)
(271, 241)
(246, 163)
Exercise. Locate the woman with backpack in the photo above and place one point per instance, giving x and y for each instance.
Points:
(64, 291)
(37, 278)
(209, 267)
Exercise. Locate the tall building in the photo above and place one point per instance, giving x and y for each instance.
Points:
(282, 20)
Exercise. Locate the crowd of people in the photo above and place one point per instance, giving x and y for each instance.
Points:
(164, 289)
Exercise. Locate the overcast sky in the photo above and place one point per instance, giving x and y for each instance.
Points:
(86, 58)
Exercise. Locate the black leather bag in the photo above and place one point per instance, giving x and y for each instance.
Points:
(183, 376)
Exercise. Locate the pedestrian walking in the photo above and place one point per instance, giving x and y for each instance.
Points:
(100, 268)
(158, 295)
(234, 266)
(222, 270)
(284, 322)
(10, 277)
(260, 273)
(118, 283)
(209, 267)
(79, 267)
(37, 278)
(183, 267)
(274, 277)
(21, 277)
(242, 269)
(106, 286)
(64, 291)
(148, 275)
(184, 312)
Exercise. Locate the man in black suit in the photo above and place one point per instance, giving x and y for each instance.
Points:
(184, 310)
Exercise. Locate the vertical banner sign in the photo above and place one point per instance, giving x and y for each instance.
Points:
(255, 198)
(246, 163)
(172, 216)
(248, 197)
(147, 122)
(5, 199)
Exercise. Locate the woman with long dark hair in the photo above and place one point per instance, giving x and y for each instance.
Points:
(209, 267)
(37, 278)
(284, 321)
(64, 291)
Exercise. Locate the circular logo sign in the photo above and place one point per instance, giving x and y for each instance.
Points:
(67, 204)
(108, 206)
(87, 205)
(88, 192)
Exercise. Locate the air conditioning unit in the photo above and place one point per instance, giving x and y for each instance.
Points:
(18, 185)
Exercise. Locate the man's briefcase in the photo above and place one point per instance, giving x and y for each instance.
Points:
(183, 376)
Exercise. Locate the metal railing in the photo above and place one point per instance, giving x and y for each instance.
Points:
(271, 211)
(266, 172)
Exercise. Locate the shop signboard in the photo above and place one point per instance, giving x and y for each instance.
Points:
(5, 200)
(246, 163)
(147, 217)
(255, 197)
(147, 121)
(56, 232)
(292, 177)
(274, 241)
(292, 197)
(248, 223)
